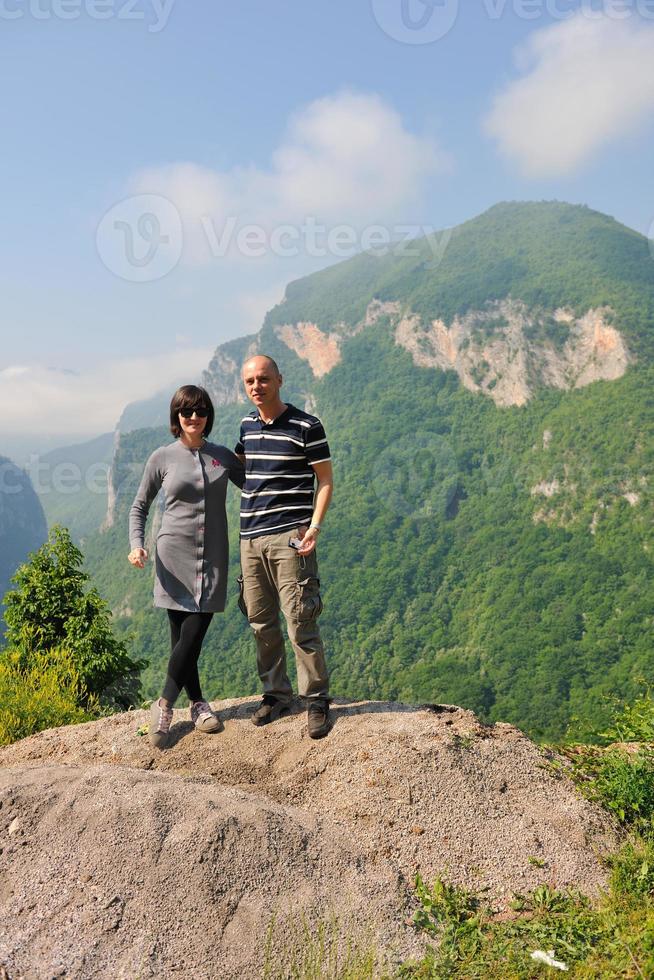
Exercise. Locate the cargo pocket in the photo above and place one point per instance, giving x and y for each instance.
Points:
(308, 604)
(241, 596)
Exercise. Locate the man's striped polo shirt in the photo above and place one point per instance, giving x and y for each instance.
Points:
(279, 479)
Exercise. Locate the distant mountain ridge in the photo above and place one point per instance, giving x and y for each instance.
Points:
(22, 522)
(491, 421)
(72, 484)
(76, 486)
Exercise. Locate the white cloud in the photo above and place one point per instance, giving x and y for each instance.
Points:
(349, 157)
(85, 404)
(345, 158)
(587, 82)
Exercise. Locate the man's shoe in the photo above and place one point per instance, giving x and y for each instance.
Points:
(270, 709)
(204, 719)
(161, 718)
(318, 718)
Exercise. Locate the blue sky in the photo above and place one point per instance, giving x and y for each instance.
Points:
(268, 114)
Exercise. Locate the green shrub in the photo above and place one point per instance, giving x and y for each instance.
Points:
(624, 783)
(632, 722)
(45, 693)
(49, 607)
(619, 777)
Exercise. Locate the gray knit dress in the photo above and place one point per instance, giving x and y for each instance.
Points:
(192, 546)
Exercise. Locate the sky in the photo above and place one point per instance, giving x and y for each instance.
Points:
(169, 166)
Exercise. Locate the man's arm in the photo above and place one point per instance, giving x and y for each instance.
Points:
(321, 502)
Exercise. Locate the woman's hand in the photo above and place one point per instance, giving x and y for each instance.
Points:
(137, 557)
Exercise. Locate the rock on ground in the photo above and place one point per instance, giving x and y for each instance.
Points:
(225, 853)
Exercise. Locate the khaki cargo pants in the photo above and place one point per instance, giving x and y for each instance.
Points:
(274, 576)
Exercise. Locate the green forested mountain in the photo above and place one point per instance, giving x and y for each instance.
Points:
(547, 254)
(489, 406)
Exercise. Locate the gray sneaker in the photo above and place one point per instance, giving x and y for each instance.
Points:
(204, 719)
(161, 718)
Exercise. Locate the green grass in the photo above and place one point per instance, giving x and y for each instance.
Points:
(322, 951)
(613, 937)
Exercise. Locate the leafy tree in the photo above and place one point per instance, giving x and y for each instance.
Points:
(50, 608)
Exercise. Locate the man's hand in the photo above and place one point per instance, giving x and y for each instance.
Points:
(309, 535)
(309, 538)
(137, 557)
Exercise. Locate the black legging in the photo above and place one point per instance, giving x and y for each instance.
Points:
(187, 631)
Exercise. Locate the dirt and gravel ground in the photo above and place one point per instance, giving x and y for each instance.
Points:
(209, 858)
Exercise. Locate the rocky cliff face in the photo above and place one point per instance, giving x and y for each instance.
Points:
(110, 516)
(23, 526)
(506, 351)
(321, 350)
(222, 379)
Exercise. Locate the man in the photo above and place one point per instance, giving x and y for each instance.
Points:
(281, 517)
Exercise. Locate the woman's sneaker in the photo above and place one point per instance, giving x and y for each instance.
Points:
(161, 717)
(204, 719)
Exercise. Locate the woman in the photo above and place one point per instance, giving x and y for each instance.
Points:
(192, 549)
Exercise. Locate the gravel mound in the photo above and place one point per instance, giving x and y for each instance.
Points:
(213, 857)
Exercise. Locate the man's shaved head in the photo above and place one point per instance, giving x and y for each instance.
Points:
(262, 381)
(259, 361)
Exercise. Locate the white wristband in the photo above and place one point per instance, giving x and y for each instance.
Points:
(318, 526)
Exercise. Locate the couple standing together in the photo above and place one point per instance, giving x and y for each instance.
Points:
(279, 453)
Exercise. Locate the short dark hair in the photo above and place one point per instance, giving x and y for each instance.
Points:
(190, 396)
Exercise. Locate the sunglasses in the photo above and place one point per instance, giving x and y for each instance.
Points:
(187, 413)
